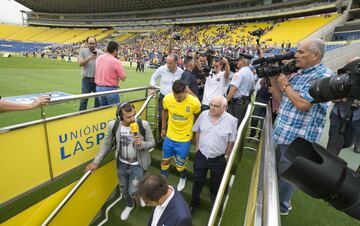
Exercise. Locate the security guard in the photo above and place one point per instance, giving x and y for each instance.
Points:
(241, 87)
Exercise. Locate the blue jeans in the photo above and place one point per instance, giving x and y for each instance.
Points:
(87, 86)
(109, 99)
(286, 189)
(128, 176)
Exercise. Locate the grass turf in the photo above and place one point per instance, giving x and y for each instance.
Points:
(22, 76)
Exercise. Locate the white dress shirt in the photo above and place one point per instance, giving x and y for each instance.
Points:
(167, 78)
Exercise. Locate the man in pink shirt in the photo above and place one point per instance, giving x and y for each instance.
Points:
(108, 72)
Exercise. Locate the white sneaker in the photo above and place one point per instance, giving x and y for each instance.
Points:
(181, 184)
(125, 213)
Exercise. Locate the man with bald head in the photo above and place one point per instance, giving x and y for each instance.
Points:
(298, 116)
(215, 135)
(167, 74)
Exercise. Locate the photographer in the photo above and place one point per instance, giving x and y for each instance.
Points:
(297, 116)
(87, 57)
(352, 131)
(215, 82)
(241, 86)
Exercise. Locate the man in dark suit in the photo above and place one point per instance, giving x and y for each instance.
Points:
(170, 207)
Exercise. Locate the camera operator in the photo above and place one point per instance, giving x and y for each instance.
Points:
(241, 86)
(215, 82)
(201, 61)
(87, 57)
(297, 116)
(352, 132)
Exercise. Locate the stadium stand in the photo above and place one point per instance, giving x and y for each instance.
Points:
(295, 30)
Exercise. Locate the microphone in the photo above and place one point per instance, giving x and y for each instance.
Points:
(134, 128)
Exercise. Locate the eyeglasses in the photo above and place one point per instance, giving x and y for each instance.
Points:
(91, 43)
(215, 106)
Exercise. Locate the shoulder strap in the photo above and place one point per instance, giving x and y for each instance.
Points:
(141, 127)
(114, 130)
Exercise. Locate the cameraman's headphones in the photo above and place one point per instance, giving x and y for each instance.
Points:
(121, 107)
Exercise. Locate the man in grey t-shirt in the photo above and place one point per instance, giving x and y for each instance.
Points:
(87, 59)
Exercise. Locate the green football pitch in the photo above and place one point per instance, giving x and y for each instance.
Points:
(23, 76)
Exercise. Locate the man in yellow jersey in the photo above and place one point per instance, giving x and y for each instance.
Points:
(179, 109)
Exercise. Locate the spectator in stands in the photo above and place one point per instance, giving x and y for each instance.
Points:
(167, 74)
(180, 109)
(215, 82)
(215, 135)
(131, 153)
(87, 61)
(170, 206)
(11, 106)
(352, 132)
(108, 72)
(298, 117)
(241, 86)
(189, 77)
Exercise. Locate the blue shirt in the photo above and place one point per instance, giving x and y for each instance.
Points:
(292, 123)
(244, 80)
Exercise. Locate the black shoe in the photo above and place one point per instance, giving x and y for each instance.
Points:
(357, 149)
(192, 209)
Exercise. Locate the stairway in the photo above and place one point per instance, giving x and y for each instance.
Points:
(140, 216)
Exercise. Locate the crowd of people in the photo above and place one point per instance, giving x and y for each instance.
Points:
(210, 103)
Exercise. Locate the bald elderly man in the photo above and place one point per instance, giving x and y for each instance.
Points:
(215, 136)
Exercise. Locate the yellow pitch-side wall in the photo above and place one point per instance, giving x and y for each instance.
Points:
(24, 161)
(73, 140)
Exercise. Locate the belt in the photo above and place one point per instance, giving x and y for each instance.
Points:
(108, 86)
(240, 100)
(217, 157)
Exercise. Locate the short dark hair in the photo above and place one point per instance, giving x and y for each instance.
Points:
(112, 46)
(87, 39)
(124, 107)
(188, 59)
(179, 86)
(175, 56)
(152, 187)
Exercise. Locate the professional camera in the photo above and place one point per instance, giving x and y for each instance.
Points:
(272, 66)
(94, 52)
(323, 175)
(345, 85)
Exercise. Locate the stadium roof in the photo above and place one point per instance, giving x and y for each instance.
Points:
(107, 6)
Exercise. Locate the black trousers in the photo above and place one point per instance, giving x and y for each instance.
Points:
(201, 166)
(238, 109)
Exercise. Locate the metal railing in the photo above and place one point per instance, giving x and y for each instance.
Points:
(85, 176)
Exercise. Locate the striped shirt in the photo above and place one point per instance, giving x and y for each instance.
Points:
(292, 123)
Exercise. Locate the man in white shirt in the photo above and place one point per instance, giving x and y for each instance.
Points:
(215, 82)
(167, 74)
(170, 207)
